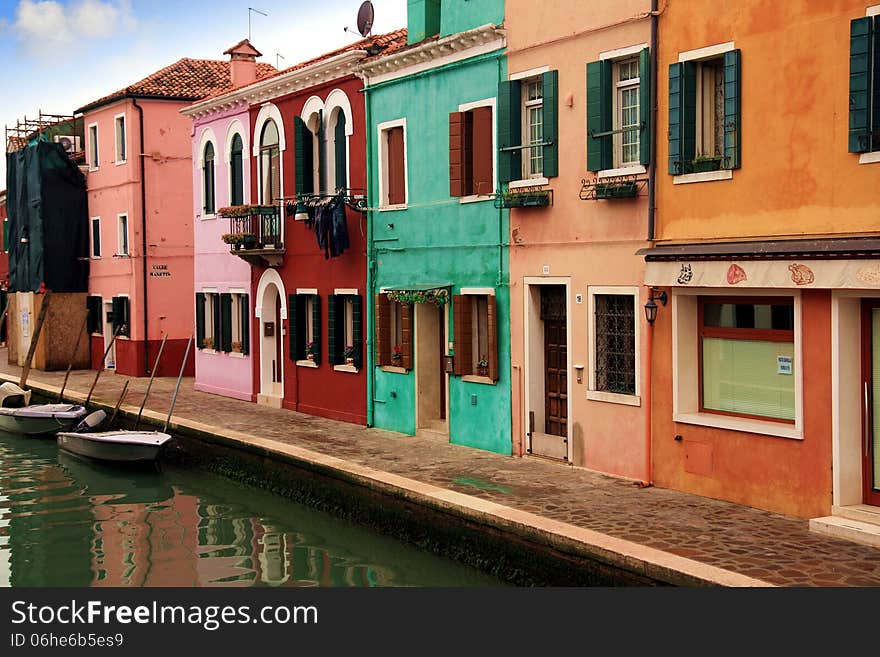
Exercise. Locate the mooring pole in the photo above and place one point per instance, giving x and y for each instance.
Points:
(150, 384)
(41, 317)
(118, 403)
(103, 363)
(73, 357)
(177, 387)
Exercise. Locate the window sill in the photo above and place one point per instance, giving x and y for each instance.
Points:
(476, 198)
(121, 255)
(119, 163)
(392, 208)
(208, 216)
(527, 182)
(394, 369)
(307, 363)
(205, 350)
(706, 176)
(746, 425)
(346, 368)
(473, 378)
(614, 398)
(236, 354)
(96, 257)
(635, 170)
(869, 158)
(93, 169)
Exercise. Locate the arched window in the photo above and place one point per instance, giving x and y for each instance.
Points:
(208, 179)
(270, 163)
(236, 174)
(339, 151)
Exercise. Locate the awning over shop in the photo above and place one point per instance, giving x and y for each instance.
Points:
(416, 287)
(436, 293)
(845, 247)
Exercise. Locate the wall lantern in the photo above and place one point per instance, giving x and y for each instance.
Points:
(651, 307)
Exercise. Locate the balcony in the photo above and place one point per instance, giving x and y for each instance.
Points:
(256, 234)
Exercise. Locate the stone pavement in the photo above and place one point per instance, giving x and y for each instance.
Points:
(773, 548)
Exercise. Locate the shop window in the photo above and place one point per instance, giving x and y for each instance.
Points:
(475, 335)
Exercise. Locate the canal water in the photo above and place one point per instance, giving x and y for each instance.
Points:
(70, 522)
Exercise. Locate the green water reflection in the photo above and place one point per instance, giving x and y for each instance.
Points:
(69, 522)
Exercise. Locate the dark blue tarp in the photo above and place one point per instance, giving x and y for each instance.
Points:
(48, 220)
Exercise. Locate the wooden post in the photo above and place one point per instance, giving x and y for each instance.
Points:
(118, 404)
(73, 357)
(103, 361)
(41, 317)
(177, 387)
(150, 384)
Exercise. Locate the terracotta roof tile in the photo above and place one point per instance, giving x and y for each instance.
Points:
(185, 79)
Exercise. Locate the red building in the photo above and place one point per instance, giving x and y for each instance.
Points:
(4, 261)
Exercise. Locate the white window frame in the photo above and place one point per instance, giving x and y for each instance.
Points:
(207, 137)
(125, 295)
(382, 128)
(119, 234)
(268, 111)
(634, 399)
(686, 365)
(116, 139)
(871, 157)
(348, 308)
(310, 293)
(92, 238)
(235, 128)
(212, 297)
(94, 162)
(525, 129)
(618, 55)
(477, 292)
(538, 180)
(617, 103)
(337, 101)
(237, 319)
(700, 54)
(467, 107)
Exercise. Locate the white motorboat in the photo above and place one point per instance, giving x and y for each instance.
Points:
(121, 446)
(18, 415)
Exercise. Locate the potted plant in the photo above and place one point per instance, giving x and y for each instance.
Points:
(233, 239)
(483, 366)
(608, 190)
(348, 354)
(535, 198)
(704, 163)
(248, 240)
(208, 343)
(236, 347)
(397, 355)
(310, 351)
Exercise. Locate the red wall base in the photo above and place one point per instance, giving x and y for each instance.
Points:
(130, 357)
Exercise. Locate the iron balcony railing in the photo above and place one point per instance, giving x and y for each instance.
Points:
(261, 229)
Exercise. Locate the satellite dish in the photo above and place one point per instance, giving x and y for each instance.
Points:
(365, 18)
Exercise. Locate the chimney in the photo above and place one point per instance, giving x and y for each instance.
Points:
(243, 63)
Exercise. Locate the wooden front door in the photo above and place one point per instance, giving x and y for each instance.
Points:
(871, 401)
(555, 378)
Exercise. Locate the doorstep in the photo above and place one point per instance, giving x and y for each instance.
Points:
(859, 523)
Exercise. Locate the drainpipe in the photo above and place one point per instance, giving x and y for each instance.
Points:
(653, 136)
(368, 301)
(144, 235)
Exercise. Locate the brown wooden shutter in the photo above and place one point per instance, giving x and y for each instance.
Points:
(383, 330)
(462, 334)
(483, 154)
(406, 335)
(492, 330)
(396, 168)
(457, 154)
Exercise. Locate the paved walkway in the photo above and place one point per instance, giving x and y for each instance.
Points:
(749, 543)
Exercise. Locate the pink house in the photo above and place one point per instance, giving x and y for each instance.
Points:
(138, 150)
(221, 170)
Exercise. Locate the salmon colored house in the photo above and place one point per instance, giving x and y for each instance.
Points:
(574, 133)
(138, 149)
(767, 353)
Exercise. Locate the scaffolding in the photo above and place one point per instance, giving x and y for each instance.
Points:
(62, 128)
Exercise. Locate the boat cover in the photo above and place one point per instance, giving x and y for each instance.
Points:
(59, 411)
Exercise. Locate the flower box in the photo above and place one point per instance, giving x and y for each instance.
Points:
(617, 190)
(531, 199)
(236, 347)
(702, 165)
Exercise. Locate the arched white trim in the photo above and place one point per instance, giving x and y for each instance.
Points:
(339, 98)
(268, 111)
(206, 136)
(270, 277)
(236, 128)
(313, 106)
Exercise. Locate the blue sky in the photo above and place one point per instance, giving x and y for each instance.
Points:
(57, 55)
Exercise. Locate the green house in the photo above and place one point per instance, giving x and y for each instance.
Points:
(439, 351)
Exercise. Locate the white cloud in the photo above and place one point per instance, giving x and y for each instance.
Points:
(43, 25)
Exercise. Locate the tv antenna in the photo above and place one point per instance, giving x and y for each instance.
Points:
(252, 10)
(278, 56)
(364, 19)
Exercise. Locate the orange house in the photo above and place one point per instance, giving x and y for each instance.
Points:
(766, 356)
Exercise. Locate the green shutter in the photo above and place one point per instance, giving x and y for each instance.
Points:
(645, 109)
(682, 116)
(225, 322)
(732, 110)
(237, 197)
(218, 319)
(302, 153)
(245, 324)
(860, 56)
(334, 337)
(357, 329)
(95, 321)
(322, 155)
(6, 236)
(316, 328)
(875, 88)
(200, 320)
(600, 150)
(295, 332)
(550, 120)
(121, 315)
(509, 130)
(339, 152)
